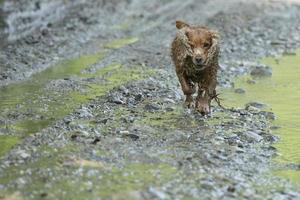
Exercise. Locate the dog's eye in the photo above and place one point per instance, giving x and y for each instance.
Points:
(206, 45)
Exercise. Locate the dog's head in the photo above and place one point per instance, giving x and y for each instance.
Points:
(202, 44)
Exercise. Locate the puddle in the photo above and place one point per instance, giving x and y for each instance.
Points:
(80, 179)
(29, 107)
(281, 93)
(14, 94)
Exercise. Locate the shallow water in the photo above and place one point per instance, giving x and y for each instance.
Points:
(281, 93)
(29, 107)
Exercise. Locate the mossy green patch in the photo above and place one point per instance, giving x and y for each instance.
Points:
(281, 93)
(6, 143)
(135, 177)
(116, 75)
(116, 44)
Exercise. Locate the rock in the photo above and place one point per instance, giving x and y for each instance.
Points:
(23, 154)
(261, 71)
(252, 109)
(240, 91)
(116, 99)
(275, 127)
(168, 100)
(138, 97)
(268, 115)
(252, 136)
(255, 104)
(250, 81)
(124, 90)
(157, 193)
(271, 138)
(84, 113)
(132, 136)
(169, 109)
(152, 107)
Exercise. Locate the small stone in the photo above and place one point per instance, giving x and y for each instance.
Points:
(268, 115)
(252, 109)
(256, 105)
(117, 100)
(271, 138)
(157, 193)
(23, 154)
(168, 100)
(151, 107)
(275, 127)
(132, 136)
(138, 97)
(170, 109)
(95, 141)
(261, 71)
(253, 137)
(251, 81)
(239, 150)
(124, 132)
(240, 91)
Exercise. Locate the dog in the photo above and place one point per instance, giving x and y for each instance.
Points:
(195, 52)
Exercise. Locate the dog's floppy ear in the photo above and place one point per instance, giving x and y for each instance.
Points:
(215, 37)
(181, 24)
(214, 49)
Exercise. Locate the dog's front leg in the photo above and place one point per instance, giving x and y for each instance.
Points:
(207, 89)
(203, 101)
(188, 89)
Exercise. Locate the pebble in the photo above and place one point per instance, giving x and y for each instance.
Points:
(157, 193)
(268, 115)
(152, 107)
(261, 71)
(240, 91)
(256, 105)
(253, 136)
(23, 154)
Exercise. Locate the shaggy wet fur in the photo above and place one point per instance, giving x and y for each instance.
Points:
(195, 52)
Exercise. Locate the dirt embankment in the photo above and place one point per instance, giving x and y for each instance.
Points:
(111, 124)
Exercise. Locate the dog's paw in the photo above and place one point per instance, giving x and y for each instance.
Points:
(189, 102)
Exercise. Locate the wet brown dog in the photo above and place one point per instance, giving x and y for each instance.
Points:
(195, 52)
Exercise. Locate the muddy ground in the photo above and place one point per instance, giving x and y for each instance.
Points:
(111, 124)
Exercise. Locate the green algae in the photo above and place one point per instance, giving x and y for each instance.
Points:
(281, 93)
(6, 143)
(116, 44)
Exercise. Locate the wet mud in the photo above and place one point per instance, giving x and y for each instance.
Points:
(91, 107)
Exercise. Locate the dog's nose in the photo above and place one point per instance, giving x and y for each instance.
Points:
(199, 60)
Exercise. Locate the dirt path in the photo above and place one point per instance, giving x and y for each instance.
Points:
(108, 123)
